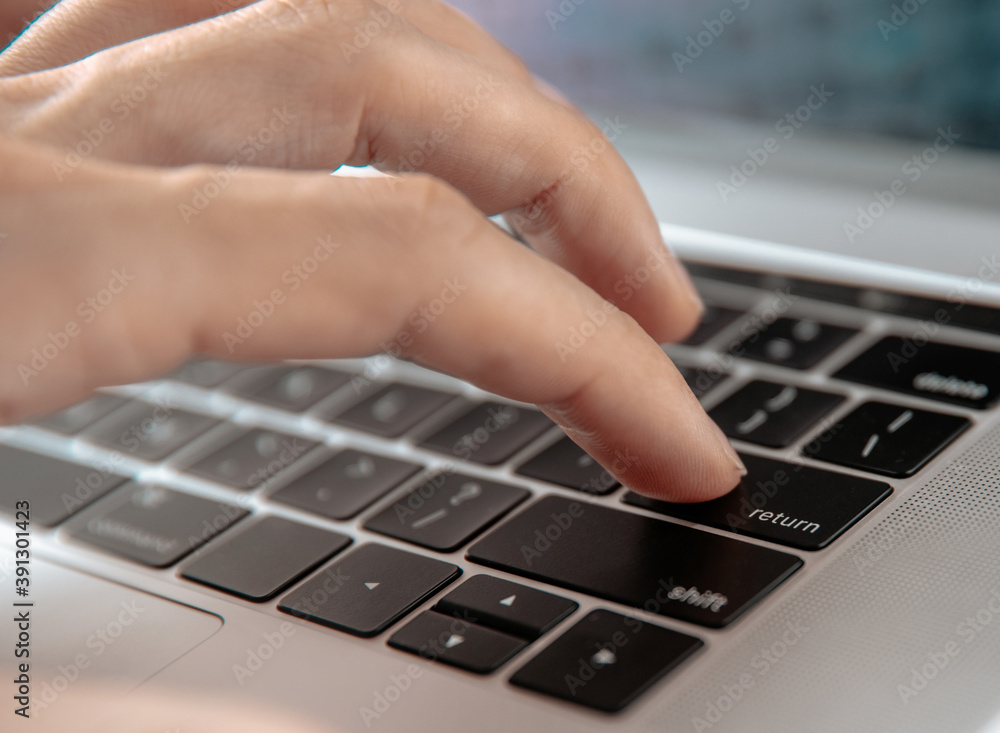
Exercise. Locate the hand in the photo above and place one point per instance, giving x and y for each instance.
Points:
(154, 708)
(311, 85)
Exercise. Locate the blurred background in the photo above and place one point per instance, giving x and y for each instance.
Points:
(900, 68)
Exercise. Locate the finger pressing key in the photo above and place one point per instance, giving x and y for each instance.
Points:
(383, 250)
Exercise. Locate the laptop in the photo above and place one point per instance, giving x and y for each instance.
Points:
(368, 545)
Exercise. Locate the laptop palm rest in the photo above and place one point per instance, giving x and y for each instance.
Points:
(87, 633)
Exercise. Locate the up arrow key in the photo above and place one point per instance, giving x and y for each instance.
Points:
(453, 640)
(508, 601)
(371, 586)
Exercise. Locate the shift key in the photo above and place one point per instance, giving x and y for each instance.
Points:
(635, 560)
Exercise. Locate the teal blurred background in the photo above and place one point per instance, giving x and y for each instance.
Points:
(896, 68)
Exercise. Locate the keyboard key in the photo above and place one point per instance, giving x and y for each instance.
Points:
(887, 439)
(153, 525)
(148, 431)
(782, 502)
(772, 414)
(447, 511)
(701, 380)
(369, 589)
(798, 344)
(292, 388)
(567, 464)
(638, 561)
(606, 661)
(252, 459)
(55, 489)
(263, 559)
(346, 484)
(205, 372)
(955, 374)
(394, 410)
(74, 419)
(456, 642)
(509, 607)
(489, 433)
(713, 320)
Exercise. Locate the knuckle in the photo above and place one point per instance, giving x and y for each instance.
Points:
(321, 15)
(347, 16)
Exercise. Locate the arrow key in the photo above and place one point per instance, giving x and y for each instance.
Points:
(509, 607)
(454, 640)
(605, 661)
(366, 591)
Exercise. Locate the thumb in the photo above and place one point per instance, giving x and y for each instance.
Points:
(105, 708)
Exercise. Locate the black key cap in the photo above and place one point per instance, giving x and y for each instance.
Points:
(772, 414)
(701, 380)
(606, 661)
(205, 372)
(489, 433)
(394, 410)
(55, 489)
(794, 343)
(148, 431)
(346, 484)
(955, 374)
(567, 464)
(252, 459)
(786, 503)
(368, 589)
(714, 319)
(74, 419)
(153, 525)
(887, 439)
(263, 559)
(292, 388)
(456, 642)
(509, 607)
(447, 511)
(634, 560)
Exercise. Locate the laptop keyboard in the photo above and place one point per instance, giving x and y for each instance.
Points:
(346, 484)
(252, 459)
(274, 485)
(771, 414)
(446, 511)
(792, 343)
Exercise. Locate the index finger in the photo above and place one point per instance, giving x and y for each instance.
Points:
(398, 249)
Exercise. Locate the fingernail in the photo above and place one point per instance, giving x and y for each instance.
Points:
(730, 452)
(687, 284)
(682, 277)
